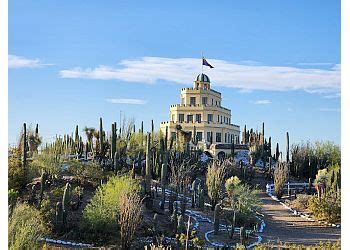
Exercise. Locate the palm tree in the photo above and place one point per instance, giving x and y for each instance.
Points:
(89, 132)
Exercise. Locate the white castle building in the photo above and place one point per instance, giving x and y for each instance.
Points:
(201, 111)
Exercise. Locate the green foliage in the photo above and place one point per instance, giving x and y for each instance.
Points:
(301, 201)
(46, 161)
(326, 208)
(231, 183)
(309, 157)
(280, 178)
(214, 180)
(101, 214)
(17, 178)
(89, 172)
(26, 225)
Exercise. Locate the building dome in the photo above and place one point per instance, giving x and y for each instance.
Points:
(203, 78)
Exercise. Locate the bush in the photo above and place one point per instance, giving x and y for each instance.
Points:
(17, 178)
(100, 216)
(301, 201)
(26, 225)
(280, 177)
(129, 217)
(326, 208)
(214, 180)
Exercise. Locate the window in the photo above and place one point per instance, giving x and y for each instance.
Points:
(198, 118)
(218, 137)
(212, 102)
(189, 118)
(192, 100)
(210, 118)
(181, 117)
(221, 119)
(225, 137)
(218, 118)
(209, 139)
(199, 136)
(216, 103)
(204, 100)
(173, 135)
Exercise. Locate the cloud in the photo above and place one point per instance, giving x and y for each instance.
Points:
(15, 62)
(262, 102)
(336, 95)
(329, 109)
(127, 101)
(315, 64)
(149, 70)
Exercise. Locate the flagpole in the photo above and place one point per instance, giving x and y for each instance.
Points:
(202, 61)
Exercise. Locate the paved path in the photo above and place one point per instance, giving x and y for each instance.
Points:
(282, 225)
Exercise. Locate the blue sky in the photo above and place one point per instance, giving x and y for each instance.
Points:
(275, 61)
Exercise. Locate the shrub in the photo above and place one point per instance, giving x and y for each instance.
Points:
(326, 208)
(280, 177)
(301, 201)
(129, 217)
(101, 214)
(214, 180)
(26, 225)
(17, 178)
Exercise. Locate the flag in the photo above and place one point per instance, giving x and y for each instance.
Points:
(205, 62)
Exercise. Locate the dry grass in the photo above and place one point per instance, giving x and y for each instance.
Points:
(129, 217)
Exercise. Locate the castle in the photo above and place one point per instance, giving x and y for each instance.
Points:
(202, 116)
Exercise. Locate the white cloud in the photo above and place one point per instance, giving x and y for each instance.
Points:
(126, 101)
(22, 62)
(225, 74)
(336, 95)
(329, 109)
(262, 102)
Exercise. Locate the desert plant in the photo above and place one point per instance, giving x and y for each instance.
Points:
(280, 178)
(129, 217)
(214, 180)
(100, 216)
(26, 226)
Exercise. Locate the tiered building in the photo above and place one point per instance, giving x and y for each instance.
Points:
(201, 111)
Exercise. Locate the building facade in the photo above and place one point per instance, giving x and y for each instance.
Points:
(200, 111)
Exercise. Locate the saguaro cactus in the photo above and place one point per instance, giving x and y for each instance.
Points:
(114, 141)
(200, 197)
(101, 138)
(181, 228)
(287, 148)
(59, 215)
(148, 164)
(217, 212)
(65, 203)
(24, 149)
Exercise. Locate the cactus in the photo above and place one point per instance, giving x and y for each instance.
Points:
(101, 139)
(174, 219)
(133, 173)
(24, 149)
(181, 228)
(148, 165)
(277, 152)
(200, 197)
(59, 215)
(217, 212)
(287, 148)
(113, 142)
(194, 193)
(233, 149)
(32, 195)
(42, 185)
(166, 138)
(242, 235)
(65, 203)
(155, 222)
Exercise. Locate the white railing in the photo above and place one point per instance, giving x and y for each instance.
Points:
(270, 188)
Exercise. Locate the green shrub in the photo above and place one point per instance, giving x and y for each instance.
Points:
(100, 216)
(301, 201)
(280, 177)
(326, 208)
(17, 178)
(26, 225)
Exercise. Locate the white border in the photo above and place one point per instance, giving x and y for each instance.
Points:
(4, 121)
